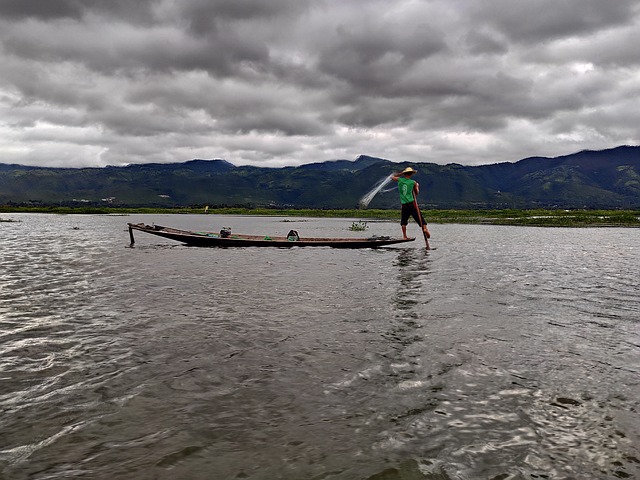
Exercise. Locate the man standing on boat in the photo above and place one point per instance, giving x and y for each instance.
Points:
(409, 190)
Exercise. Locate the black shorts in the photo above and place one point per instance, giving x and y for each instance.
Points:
(409, 210)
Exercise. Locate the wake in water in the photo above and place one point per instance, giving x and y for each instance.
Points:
(366, 200)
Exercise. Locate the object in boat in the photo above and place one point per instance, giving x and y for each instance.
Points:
(212, 239)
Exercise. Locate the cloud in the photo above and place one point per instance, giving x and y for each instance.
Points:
(524, 22)
(286, 82)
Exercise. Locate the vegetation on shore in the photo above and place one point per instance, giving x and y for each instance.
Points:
(539, 217)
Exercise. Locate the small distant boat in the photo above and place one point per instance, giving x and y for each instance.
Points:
(227, 239)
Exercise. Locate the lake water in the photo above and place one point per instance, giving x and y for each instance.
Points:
(505, 353)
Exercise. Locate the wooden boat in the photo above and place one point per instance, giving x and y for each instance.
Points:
(213, 239)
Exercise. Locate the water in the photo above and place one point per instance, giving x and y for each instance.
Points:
(366, 200)
(506, 353)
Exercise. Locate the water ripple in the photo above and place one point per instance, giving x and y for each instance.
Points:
(505, 353)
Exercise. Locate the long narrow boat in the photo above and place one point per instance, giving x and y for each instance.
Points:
(212, 239)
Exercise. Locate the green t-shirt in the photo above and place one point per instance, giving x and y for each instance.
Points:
(405, 187)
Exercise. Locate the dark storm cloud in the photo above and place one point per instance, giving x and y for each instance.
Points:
(51, 9)
(375, 64)
(277, 82)
(204, 16)
(139, 10)
(545, 20)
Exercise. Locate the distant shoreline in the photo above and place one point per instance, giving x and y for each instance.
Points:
(538, 217)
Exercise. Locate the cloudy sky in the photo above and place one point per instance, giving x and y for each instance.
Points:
(287, 82)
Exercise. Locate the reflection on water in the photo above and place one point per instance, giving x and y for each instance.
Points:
(506, 353)
(413, 268)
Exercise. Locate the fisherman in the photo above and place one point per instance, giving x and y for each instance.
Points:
(409, 190)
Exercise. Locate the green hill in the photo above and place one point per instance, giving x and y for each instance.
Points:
(587, 179)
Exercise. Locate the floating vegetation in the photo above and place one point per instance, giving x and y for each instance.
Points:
(533, 217)
(358, 226)
(9, 220)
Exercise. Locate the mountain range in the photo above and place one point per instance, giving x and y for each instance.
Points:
(587, 179)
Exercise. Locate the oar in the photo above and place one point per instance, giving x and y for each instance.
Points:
(426, 239)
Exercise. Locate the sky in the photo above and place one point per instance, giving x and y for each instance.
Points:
(90, 83)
